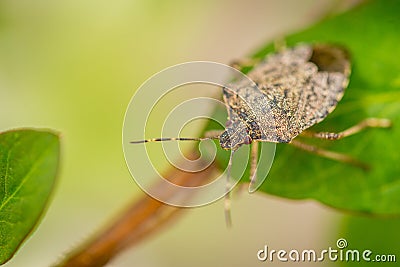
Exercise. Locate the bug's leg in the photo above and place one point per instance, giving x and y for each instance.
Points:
(239, 64)
(227, 200)
(367, 123)
(329, 154)
(253, 163)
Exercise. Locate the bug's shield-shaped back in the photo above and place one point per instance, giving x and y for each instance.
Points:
(303, 85)
(287, 93)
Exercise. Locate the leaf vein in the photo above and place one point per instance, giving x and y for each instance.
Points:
(26, 177)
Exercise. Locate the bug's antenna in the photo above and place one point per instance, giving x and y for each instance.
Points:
(174, 139)
(227, 204)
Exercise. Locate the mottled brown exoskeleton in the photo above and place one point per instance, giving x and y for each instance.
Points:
(291, 91)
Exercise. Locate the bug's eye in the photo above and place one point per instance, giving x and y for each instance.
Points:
(225, 140)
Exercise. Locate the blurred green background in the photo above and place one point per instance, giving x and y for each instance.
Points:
(73, 66)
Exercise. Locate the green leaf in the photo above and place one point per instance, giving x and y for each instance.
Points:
(28, 167)
(379, 235)
(371, 33)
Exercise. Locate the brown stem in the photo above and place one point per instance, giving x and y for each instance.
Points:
(142, 218)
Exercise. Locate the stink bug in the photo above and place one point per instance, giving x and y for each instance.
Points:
(291, 90)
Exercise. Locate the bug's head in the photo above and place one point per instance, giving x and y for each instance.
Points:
(225, 140)
(232, 140)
